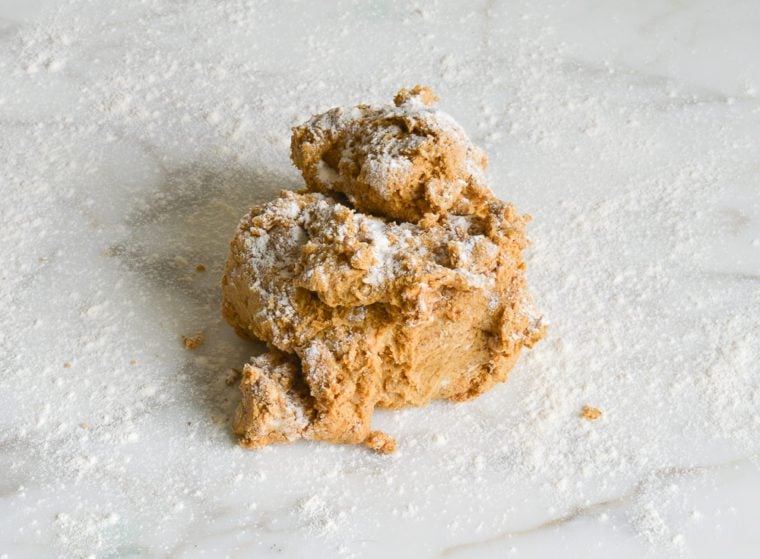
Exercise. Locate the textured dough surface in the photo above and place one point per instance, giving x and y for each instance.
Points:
(398, 161)
(369, 300)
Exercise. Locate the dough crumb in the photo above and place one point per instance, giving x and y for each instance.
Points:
(425, 95)
(192, 342)
(380, 442)
(591, 413)
(200, 268)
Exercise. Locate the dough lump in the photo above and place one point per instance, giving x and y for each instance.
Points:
(394, 279)
(398, 161)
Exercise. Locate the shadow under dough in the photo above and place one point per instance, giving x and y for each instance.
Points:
(189, 221)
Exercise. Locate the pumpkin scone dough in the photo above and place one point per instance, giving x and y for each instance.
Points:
(398, 161)
(376, 297)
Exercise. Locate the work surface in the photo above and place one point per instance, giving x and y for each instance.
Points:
(135, 135)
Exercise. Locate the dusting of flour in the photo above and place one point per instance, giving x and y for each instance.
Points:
(135, 135)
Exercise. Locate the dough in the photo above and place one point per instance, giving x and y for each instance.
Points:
(398, 161)
(370, 297)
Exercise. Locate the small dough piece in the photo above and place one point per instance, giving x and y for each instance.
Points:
(398, 161)
(276, 405)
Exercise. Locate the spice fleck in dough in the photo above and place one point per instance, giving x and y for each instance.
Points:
(394, 279)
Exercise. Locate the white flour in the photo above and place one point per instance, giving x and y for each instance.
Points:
(134, 137)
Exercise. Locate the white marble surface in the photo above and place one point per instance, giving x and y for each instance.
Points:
(134, 134)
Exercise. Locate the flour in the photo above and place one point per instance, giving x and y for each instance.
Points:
(136, 134)
(320, 519)
(379, 172)
(326, 173)
(382, 253)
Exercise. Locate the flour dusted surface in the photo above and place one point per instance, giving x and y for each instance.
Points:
(132, 133)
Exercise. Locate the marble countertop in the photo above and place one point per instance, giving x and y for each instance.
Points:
(134, 136)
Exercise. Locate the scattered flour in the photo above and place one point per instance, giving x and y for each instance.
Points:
(321, 519)
(382, 252)
(136, 134)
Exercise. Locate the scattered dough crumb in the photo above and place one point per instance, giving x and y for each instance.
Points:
(380, 442)
(591, 413)
(192, 342)
(67, 365)
(200, 268)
